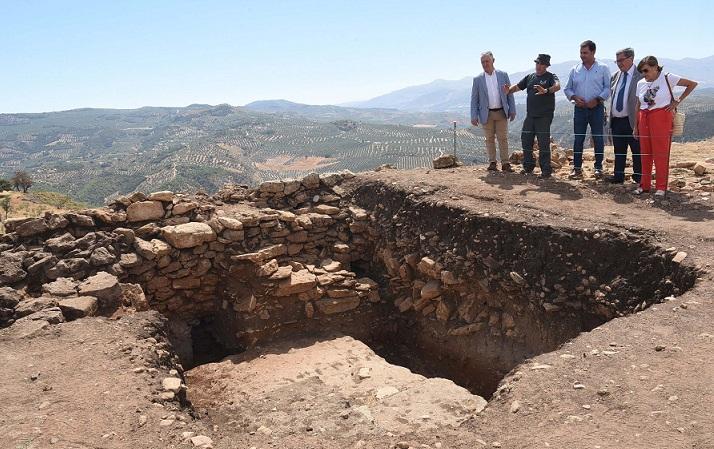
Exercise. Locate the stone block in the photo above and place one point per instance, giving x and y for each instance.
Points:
(79, 307)
(188, 235)
(144, 211)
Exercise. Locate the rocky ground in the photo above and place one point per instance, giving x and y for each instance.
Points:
(638, 381)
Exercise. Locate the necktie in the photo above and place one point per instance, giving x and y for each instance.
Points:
(621, 93)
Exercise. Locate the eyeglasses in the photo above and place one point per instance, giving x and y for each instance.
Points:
(621, 60)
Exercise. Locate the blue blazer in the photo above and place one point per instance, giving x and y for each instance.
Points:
(479, 97)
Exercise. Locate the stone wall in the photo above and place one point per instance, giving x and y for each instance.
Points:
(193, 256)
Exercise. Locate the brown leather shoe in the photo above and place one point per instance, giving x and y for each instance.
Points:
(492, 166)
(506, 167)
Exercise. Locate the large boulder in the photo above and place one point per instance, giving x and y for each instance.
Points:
(145, 210)
(188, 235)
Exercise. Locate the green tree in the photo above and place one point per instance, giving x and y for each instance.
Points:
(5, 185)
(21, 180)
(5, 205)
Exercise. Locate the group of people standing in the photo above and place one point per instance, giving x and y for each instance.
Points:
(640, 111)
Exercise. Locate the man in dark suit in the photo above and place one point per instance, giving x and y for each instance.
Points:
(623, 115)
(491, 107)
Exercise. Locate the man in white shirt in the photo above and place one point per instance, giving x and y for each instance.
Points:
(623, 115)
(492, 108)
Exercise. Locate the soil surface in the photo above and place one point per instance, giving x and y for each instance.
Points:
(641, 381)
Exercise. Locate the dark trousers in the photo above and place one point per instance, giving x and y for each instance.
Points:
(594, 117)
(621, 139)
(536, 127)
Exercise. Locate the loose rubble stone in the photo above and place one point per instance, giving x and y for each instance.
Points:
(103, 286)
(34, 305)
(11, 268)
(172, 384)
(79, 307)
(52, 315)
(32, 227)
(445, 161)
(201, 441)
(101, 256)
(61, 287)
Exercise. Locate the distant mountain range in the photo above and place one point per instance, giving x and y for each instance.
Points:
(454, 95)
(387, 116)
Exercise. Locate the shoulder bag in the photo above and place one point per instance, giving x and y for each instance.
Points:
(677, 117)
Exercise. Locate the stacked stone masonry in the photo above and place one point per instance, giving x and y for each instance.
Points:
(289, 240)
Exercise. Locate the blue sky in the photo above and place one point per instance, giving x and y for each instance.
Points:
(67, 54)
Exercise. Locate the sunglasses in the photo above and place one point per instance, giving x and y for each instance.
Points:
(621, 60)
(645, 71)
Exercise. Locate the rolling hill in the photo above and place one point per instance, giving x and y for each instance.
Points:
(96, 154)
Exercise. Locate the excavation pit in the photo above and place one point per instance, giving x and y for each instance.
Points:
(491, 296)
(464, 296)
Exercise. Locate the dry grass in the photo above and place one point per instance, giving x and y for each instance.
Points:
(284, 163)
(35, 204)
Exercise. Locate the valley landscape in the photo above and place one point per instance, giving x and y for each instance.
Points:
(317, 276)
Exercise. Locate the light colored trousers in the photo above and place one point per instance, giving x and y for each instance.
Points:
(496, 128)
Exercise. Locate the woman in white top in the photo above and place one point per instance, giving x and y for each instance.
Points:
(656, 104)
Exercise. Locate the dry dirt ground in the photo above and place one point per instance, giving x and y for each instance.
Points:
(641, 381)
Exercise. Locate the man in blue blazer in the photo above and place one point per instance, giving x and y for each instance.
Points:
(492, 108)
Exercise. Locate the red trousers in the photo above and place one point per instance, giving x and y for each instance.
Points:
(655, 130)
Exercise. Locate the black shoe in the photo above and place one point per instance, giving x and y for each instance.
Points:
(492, 166)
(614, 180)
(545, 176)
(576, 173)
(598, 173)
(526, 171)
(506, 167)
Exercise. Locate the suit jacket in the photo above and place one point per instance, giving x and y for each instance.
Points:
(631, 95)
(479, 97)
